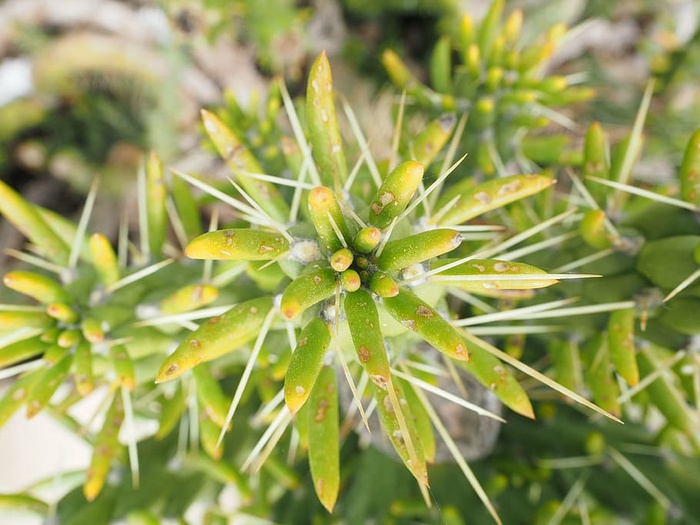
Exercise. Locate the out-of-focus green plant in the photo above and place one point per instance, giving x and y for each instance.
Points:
(484, 71)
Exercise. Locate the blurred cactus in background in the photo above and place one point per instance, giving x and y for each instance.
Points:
(330, 334)
(486, 71)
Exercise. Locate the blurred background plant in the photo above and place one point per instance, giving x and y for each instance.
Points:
(95, 94)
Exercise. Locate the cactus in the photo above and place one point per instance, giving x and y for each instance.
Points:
(342, 291)
(486, 72)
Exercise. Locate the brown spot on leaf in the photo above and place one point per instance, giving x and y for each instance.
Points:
(422, 311)
(461, 352)
(363, 353)
(321, 411)
(482, 197)
(380, 380)
(410, 324)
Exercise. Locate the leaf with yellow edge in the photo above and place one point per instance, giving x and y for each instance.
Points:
(216, 337)
(489, 195)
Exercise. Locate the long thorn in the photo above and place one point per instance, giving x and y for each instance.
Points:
(447, 395)
(82, 225)
(246, 374)
(519, 365)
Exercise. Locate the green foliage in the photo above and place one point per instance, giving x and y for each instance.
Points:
(320, 294)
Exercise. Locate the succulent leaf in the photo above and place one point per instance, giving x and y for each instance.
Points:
(216, 337)
(238, 244)
(306, 364)
(307, 290)
(490, 195)
(391, 200)
(489, 275)
(418, 316)
(327, 147)
(324, 443)
(417, 248)
(365, 329)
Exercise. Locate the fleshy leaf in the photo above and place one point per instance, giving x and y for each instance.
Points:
(216, 337)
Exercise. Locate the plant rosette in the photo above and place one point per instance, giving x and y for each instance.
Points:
(360, 282)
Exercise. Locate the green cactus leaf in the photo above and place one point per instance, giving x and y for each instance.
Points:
(104, 259)
(306, 364)
(489, 275)
(327, 147)
(418, 316)
(241, 161)
(490, 195)
(328, 219)
(324, 439)
(391, 198)
(363, 320)
(417, 248)
(216, 337)
(621, 344)
(307, 290)
(26, 219)
(106, 448)
(238, 244)
(37, 286)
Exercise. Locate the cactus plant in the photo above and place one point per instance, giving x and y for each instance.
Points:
(325, 267)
